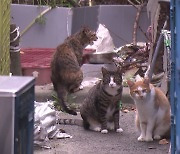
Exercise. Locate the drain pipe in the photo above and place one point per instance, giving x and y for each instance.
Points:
(152, 65)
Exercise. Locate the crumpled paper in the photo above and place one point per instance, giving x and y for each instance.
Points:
(104, 43)
(45, 126)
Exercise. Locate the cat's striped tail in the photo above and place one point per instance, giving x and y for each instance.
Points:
(78, 122)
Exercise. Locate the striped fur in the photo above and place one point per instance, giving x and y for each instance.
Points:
(66, 73)
(100, 109)
(78, 122)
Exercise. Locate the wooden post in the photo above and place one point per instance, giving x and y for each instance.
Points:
(15, 65)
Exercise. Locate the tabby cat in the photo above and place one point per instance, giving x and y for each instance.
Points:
(100, 109)
(66, 73)
(153, 110)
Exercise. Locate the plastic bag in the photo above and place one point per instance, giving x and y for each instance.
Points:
(104, 42)
(45, 126)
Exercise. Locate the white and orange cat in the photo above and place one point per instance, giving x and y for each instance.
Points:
(153, 110)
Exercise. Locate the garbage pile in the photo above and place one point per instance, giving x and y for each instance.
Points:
(133, 58)
(128, 57)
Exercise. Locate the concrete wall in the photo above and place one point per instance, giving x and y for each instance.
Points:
(57, 25)
(85, 16)
(62, 22)
(120, 21)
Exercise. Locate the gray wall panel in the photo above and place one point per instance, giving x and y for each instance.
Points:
(62, 22)
(57, 25)
(86, 16)
(120, 20)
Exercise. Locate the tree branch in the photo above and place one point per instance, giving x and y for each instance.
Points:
(138, 2)
(130, 2)
(136, 23)
(144, 33)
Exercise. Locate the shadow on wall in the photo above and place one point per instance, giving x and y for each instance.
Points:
(58, 23)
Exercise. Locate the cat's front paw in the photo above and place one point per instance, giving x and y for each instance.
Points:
(81, 87)
(104, 131)
(141, 138)
(149, 139)
(119, 130)
(157, 137)
(97, 129)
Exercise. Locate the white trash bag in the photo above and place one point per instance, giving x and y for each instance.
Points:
(104, 43)
(45, 126)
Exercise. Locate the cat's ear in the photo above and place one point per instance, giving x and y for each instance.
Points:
(104, 71)
(85, 29)
(146, 81)
(130, 83)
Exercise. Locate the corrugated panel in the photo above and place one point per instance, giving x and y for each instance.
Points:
(177, 73)
(175, 76)
(4, 36)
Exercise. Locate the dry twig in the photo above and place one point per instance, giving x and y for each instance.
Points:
(130, 2)
(136, 22)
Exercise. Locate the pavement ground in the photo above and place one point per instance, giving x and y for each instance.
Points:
(89, 142)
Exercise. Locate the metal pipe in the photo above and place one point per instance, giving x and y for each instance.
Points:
(160, 39)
